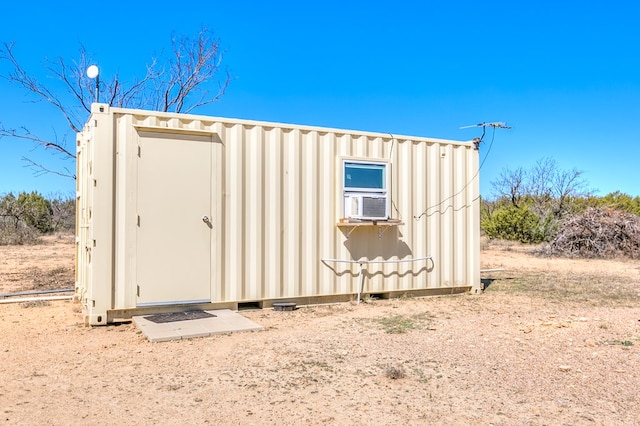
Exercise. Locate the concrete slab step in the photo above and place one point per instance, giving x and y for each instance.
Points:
(221, 321)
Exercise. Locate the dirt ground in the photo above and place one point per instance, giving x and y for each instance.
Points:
(550, 342)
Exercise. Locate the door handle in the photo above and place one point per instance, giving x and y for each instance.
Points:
(205, 219)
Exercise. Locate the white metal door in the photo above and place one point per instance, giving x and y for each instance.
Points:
(174, 225)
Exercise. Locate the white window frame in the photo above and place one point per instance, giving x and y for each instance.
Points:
(347, 192)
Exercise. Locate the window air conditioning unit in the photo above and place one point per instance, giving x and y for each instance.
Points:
(366, 206)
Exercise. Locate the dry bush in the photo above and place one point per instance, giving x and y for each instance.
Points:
(393, 372)
(17, 235)
(51, 279)
(597, 233)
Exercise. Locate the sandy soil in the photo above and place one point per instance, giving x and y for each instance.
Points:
(49, 265)
(515, 355)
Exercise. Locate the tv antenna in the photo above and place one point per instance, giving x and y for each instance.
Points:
(495, 125)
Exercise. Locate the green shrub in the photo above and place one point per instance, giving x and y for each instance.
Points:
(36, 211)
(25, 217)
(516, 224)
(615, 200)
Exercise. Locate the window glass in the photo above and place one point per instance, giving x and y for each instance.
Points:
(364, 175)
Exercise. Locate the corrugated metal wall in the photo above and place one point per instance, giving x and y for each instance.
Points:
(277, 200)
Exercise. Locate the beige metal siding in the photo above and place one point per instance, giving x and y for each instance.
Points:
(276, 200)
(95, 190)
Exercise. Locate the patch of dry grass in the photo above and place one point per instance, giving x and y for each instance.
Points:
(558, 287)
(51, 279)
(398, 324)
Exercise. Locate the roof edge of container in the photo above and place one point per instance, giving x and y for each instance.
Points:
(96, 108)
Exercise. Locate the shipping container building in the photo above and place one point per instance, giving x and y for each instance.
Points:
(182, 211)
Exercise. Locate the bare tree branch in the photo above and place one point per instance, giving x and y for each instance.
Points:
(20, 77)
(25, 134)
(42, 170)
(195, 62)
(180, 84)
(511, 184)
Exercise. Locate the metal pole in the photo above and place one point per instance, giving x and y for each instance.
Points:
(98, 88)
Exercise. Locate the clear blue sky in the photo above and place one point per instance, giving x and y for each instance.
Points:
(564, 74)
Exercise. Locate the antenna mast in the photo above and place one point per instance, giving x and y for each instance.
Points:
(495, 125)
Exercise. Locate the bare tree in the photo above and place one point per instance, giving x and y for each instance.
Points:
(567, 185)
(541, 177)
(531, 203)
(191, 77)
(512, 185)
(546, 187)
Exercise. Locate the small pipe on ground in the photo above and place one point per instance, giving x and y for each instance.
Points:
(35, 299)
(36, 292)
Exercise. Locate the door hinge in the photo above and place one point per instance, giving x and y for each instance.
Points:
(138, 290)
(139, 150)
(138, 220)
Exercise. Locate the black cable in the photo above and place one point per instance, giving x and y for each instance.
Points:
(393, 204)
(493, 135)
